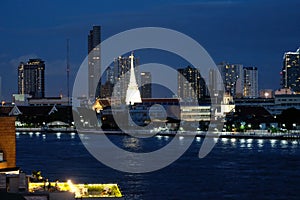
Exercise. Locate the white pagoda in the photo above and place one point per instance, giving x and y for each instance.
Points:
(133, 94)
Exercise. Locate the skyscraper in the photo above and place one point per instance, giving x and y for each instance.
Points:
(231, 73)
(94, 62)
(146, 87)
(191, 86)
(31, 78)
(291, 71)
(108, 86)
(250, 82)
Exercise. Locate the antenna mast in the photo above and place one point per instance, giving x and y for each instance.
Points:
(68, 72)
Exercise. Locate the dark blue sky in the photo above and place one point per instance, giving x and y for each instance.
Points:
(252, 33)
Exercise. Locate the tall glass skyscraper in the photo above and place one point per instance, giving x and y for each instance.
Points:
(31, 78)
(94, 62)
(291, 71)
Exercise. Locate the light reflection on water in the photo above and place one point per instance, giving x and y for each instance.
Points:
(58, 134)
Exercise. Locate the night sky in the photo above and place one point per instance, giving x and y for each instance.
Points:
(252, 33)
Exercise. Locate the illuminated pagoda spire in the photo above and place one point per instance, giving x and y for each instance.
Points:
(133, 94)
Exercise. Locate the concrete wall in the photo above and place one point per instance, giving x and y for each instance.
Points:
(8, 141)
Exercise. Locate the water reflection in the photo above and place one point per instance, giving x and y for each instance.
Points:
(58, 134)
(284, 143)
(73, 135)
(198, 139)
(132, 143)
(159, 137)
(260, 143)
(233, 142)
(216, 140)
(273, 142)
(224, 140)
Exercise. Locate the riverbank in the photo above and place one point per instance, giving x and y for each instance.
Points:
(254, 134)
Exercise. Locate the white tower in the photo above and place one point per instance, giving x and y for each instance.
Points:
(133, 94)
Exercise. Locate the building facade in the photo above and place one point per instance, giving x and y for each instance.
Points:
(146, 86)
(291, 71)
(250, 82)
(191, 86)
(31, 78)
(94, 62)
(232, 75)
(7, 143)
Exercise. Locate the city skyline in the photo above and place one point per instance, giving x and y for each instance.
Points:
(260, 42)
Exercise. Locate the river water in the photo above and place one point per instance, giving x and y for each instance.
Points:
(234, 169)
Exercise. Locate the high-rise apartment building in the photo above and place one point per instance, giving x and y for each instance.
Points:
(191, 86)
(94, 62)
(231, 75)
(31, 78)
(146, 86)
(250, 82)
(291, 71)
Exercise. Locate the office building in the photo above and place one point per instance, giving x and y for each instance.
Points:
(31, 78)
(250, 82)
(191, 86)
(146, 85)
(94, 62)
(291, 71)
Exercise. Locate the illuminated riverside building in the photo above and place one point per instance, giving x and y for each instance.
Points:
(94, 62)
(191, 86)
(31, 78)
(291, 71)
(250, 82)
